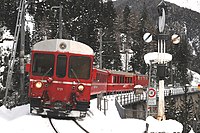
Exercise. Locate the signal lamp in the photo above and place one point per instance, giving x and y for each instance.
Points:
(175, 39)
(38, 84)
(80, 87)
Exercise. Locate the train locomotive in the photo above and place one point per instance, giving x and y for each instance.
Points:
(62, 78)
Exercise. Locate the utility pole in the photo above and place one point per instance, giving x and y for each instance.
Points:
(60, 19)
(126, 60)
(21, 56)
(126, 51)
(100, 47)
(60, 22)
(13, 52)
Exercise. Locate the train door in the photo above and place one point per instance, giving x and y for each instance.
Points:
(57, 85)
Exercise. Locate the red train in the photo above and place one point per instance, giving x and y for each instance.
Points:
(62, 78)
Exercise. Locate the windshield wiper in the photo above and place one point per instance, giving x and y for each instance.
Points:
(75, 75)
(47, 72)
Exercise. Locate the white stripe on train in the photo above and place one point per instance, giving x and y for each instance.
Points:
(86, 84)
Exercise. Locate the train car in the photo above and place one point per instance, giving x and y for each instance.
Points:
(142, 80)
(120, 81)
(60, 78)
(99, 81)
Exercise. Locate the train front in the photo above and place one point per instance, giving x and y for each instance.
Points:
(60, 78)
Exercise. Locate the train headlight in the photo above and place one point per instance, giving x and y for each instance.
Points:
(38, 84)
(80, 87)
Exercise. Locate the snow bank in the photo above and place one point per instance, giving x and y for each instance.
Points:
(20, 121)
(167, 126)
(10, 114)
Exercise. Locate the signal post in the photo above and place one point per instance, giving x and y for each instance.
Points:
(160, 57)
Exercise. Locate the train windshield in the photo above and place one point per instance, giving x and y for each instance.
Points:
(43, 64)
(79, 67)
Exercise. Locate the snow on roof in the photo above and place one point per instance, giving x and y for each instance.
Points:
(62, 45)
(155, 57)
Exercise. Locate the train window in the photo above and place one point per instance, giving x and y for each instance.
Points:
(126, 79)
(114, 79)
(117, 79)
(43, 64)
(61, 66)
(131, 80)
(121, 79)
(79, 67)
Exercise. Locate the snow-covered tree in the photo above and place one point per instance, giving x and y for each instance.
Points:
(171, 108)
(111, 55)
(185, 113)
(138, 47)
(80, 21)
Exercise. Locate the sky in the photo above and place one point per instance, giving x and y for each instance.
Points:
(19, 120)
(190, 4)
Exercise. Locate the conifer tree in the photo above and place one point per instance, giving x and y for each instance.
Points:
(186, 109)
(171, 109)
(80, 19)
(183, 59)
(126, 19)
(111, 55)
(137, 60)
(10, 11)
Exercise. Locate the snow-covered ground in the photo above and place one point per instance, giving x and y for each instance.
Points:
(19, 120)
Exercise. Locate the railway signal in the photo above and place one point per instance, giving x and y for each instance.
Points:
(147, 37)
(152, 93)
(199, 86)
(175, 39)
(151, 97)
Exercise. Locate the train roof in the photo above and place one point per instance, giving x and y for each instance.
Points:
(63, 45)
(100, 70)
(121, 73)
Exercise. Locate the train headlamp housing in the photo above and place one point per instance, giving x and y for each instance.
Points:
(38, 84)
(63, 46)
(80, 87)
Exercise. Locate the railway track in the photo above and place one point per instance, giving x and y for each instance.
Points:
(50, 121)
(73, 119)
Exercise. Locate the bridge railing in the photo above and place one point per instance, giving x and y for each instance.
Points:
(131, 98)
(126, 99)
(129, 113)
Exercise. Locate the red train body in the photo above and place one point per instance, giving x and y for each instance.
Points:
(99, 81)
(62, 78)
